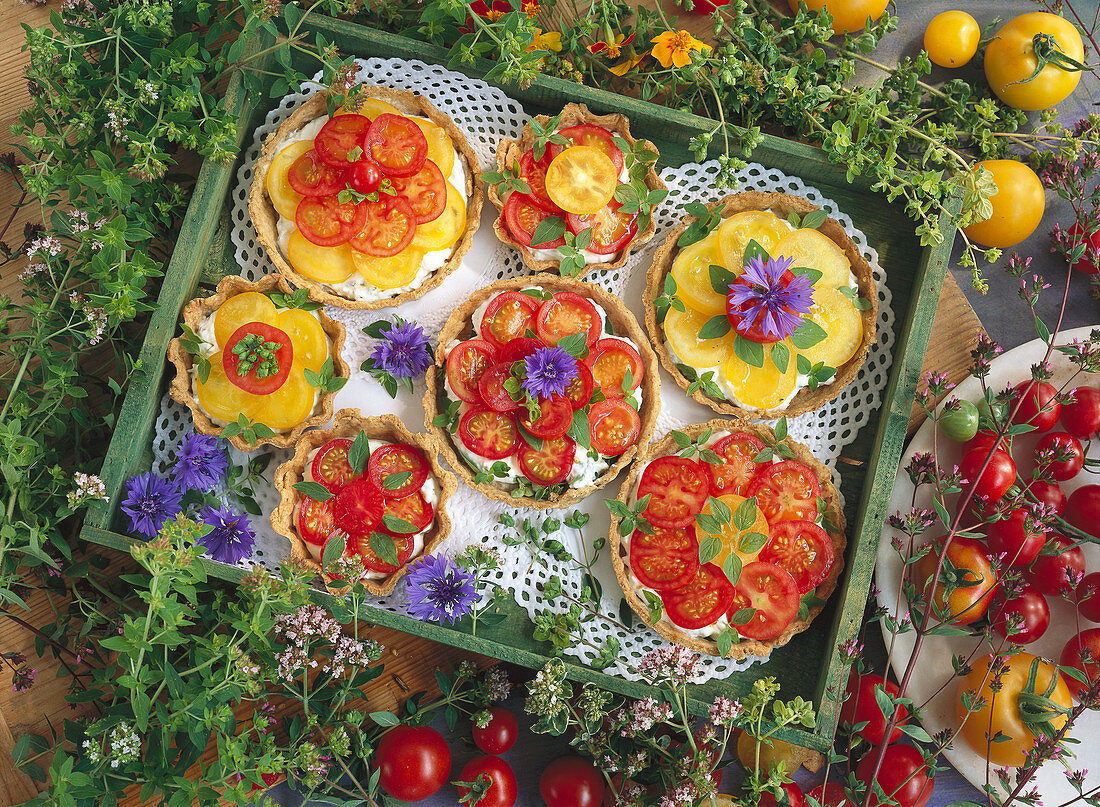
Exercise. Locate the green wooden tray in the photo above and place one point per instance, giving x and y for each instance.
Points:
(809, 664)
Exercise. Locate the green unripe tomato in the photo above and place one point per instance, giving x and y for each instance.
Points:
(960, 424)
(986, 412)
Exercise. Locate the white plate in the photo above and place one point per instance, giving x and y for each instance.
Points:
(934, 669)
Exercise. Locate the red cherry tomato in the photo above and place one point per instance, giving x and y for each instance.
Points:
(580, 389)
(998, 477)
(388, 466)
(364, 176)
(792, 792)
(1081, 417)
(310, 176)
(702, 601)
(339, 137)
(831, 794)
(1089, 262)
(247, 368)
(754, 330)
(389, 227)
(1087, 642)
(358, 508)
(738, 468)
(414, 509)
(1010, 538)
(803, 549)
(550, 464)
(397, 144)
(522, 216)
(786, 491)
(534, 174)
(502, 788)
(413, 762)
(499, 734)
(1053, 573)
(568, 313)
(1087, 596)
(614, 425)
(555, 418)
(610, 360)
(611, 229)
(571, 781)
(466, 363)
(904, 777)
(1039, 408)
(588, 135)
(492, 391)
(326, 221)
(1021, 619)
(667, 560)
(315, 520)
(425, 191)
(772, 594)
(1048, 493)
(1083, 509)
(861, 707)
(488, 434)
(677, 487)
(508, 316)
(331, 467)
(1066, 446)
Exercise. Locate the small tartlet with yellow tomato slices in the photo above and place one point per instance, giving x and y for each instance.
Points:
(368, 205)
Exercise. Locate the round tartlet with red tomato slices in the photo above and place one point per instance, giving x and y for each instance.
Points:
(508, 345)
(369, 207)
(743, 541)
(248, 351)
(573, 177)
(388, 494)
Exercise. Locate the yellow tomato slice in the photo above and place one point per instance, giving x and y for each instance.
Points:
(220, 397)
(842, 322)
(308, 337)
(734, 234)
(251, 306)
(581, 180)
(391, 272)
(691, 271)
(682, 331)
(441, 150)
(761, 387)
(814, 249)
(287, 406)
(731, 536)
(323, 264)
(283, 197)
(445, 230)
(371, 107)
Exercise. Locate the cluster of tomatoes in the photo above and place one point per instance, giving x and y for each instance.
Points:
(479, 368)
(360, 502)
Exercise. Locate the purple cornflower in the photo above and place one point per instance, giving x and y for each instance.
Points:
(149, 502)
(200, 463)
(231, 539)
(549, 372)
(762, 295)
(403, 351)
(438, 590)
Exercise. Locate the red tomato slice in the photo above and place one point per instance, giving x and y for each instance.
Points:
(803, 549)
(520, 348)
(702, 601)
(397, 144)
(488, 434)
(338, 137)
(508, 316)
(466, 363)
(587, 134)
(615, 426)
(248, 369)
(611, 230)
(580, 389)
(786, 491)
(609, 359)
(555, 418)
(331, 467)
(522, 216)
(534, 174)
(311, 177)
(663, 570)
(425, 191)
(491, 388)
(358, 508)
(414, 509)
(666, 539)
(677, 488)
(360, 545)
(327, 222)
(568, 313)
(773, 594)
(737, 452)
(397, 459)
(315, 520)
(550, 464)
(388, 228)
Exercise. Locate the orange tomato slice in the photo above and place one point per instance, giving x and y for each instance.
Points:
(581, 180)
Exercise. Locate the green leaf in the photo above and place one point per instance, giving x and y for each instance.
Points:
(709, 548)
(398, 525)
(807, 335)
(575, 344)
(813, 274)
(396, 480)
(732, 568)
(383, 545)
(814, 219)
(720, 279)
(334, 549)
(751, 542)
(724, 642)
(385, 718)
(580, 430)
(803, 365)
(550, 229)
(781, 429)
(745, 514)
(715, 327)
(780, 356)
(748, 351)
(359, 453)
(655, 606)
(742, 616)
(313, 490)
(754, 250)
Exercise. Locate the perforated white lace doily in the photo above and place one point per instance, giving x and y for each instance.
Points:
(486, 115)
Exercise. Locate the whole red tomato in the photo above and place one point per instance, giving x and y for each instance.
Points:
(1087, 596)
(1081, 416)
(966, 603)
(499, 734)
(1011, 539)
(1039, 407)
(1065, 446)
(1089, 263)
(1023, 618)
(793, 793)
(502, 781)
(1087, 641)
(831, 794)
(413, 762)
(571, 781)
(862, 706)
(1048, 493)
(998, 476)
(903, 776)
(1051, 573)
(1083, 509)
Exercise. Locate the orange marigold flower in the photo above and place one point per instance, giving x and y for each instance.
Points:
(492, 13)
(551, 40)
(612, 49)
(531, 8)
(675, 48)
(626, 65)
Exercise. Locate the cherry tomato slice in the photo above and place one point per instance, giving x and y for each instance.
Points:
(397, 144)
(388, 227)
(311, 177)
(387, 462)
(338, 137)
(568, 313)
(737, 452)
(661, 569)
(615, 426)
(772, 593)
(488, 434)
(247, 358)
(522, 216)
(550, 464)
(508, 316)
(315, 520)
(609, 360)
(580, 389)
(534, 174)
(330, 466)
(555, 418)
(466, 363)
(358, 508)
(786, 491)
(360, 545)
(425, 191)
(414, 509)
(611, 229)
(492, 391)
(328, 222)
(677, 488)
(702, 601)
(803, 549)
(587, 134)
(520, 348)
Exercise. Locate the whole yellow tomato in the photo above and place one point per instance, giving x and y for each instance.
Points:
(1010, 61)
(1009, 705)
(974, 584)
(951, 38)
(1018, 205)
(848, 15)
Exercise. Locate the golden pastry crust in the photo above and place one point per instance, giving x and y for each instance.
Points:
(348, 423)
(199, 308)
(746, 647)
(266, 218)
(805, 400)
(459, 327)
(509, 152)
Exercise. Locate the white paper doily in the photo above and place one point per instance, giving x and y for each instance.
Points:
(486, 115)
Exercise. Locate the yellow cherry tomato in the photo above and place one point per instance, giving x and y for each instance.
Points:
(1018, 205)
(581, 180)
(323, 264)
(848, 15)
(951, 38)
(1010, 61)
(241, 309)
(283, 197)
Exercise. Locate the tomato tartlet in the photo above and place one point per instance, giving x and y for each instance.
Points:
(387, 495)
(582, 173)
(745, 539)
(542, 391)
(369, 207)
(770, 313)
(248, 350)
